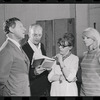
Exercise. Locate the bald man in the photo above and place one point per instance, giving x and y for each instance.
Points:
(39, 83)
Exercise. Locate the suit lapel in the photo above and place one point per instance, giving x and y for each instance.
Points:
(23, 55)
(26, 58)
(29, 51)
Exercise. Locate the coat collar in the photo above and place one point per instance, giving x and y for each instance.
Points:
(22, 53)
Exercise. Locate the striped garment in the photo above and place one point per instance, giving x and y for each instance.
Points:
(90, 66)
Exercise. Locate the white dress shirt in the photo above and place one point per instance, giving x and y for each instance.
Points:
(37, 50)
(15, 42)
(12, 40)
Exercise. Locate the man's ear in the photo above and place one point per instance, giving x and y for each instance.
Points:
(11, 29)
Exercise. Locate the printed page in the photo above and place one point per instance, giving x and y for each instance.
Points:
(47, 63)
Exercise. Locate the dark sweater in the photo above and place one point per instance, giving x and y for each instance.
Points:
(39, 84)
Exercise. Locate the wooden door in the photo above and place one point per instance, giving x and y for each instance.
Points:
(62, 26)
(71, 29)
(53, 30)
(47, 38)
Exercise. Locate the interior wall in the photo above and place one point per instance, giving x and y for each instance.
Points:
(86, 16)
(94, 16)
(30, 13)
(82, 23)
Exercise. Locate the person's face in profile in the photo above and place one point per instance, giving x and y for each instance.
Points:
(18, 30)
(37, 35)
(87, 40)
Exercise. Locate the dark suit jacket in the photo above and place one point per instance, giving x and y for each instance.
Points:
(14, 70)
(39, 84)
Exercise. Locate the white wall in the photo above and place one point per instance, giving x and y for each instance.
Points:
(29, 13)
(94, 15)
(81, 24)
(86, 16)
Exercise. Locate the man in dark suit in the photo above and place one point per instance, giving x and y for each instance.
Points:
(14, 63)
(39, 83)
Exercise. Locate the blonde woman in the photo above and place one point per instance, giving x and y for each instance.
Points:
(90, 64)
(63, 73)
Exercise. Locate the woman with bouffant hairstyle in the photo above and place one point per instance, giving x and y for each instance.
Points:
(63, 73)
(90, 64)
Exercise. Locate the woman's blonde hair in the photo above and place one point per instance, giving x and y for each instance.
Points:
(92, 33)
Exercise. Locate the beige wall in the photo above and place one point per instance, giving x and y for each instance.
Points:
(29, 13)
(86, 16)
(81, 24)
(94, 15)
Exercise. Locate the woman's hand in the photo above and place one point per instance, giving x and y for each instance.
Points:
(60, 60)
(38, 70)
(59, 57)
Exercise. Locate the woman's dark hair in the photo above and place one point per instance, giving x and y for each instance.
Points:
(9, 23)
(68, 37)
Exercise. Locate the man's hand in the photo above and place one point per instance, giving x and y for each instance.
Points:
(38, 70)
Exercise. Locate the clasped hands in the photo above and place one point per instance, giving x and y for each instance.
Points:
(59, 57)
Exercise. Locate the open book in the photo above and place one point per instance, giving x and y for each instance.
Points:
(44, 61)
